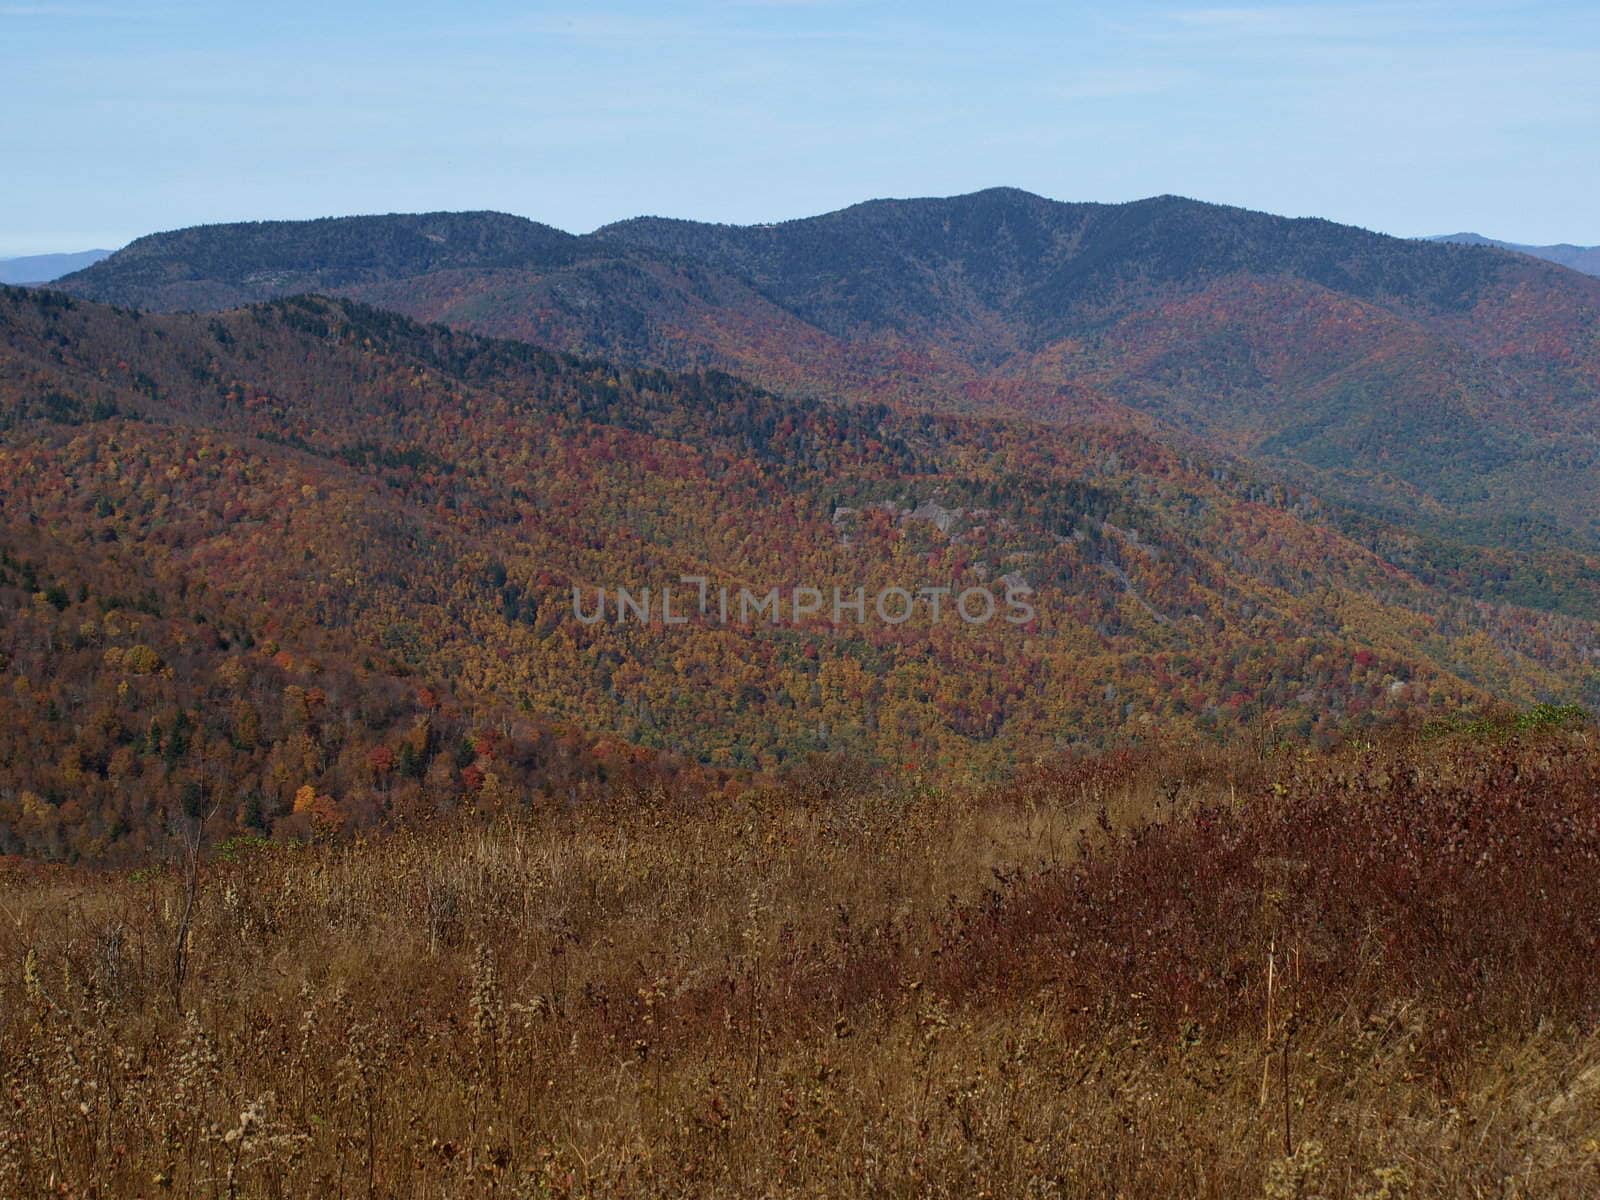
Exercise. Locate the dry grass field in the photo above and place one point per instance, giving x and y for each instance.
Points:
(1372, 972)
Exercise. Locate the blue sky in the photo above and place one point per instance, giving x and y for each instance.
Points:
(1412, 118)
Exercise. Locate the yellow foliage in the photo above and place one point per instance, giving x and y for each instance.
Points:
(35, 806)
(141, 660)
(232, 673)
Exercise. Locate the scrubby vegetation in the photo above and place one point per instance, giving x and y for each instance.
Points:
(1265, 971)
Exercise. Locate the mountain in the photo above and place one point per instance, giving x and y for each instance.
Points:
(310, 560)
(223, 266)
(1578, 258)
(1040, 268)
(44, 268)
(1450, 388)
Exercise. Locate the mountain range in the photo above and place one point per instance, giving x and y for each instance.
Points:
(1449, 385)
(45, 268)
(321, 554)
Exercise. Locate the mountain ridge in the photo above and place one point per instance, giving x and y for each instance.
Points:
(260, 244)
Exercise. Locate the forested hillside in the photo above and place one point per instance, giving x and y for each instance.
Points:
(313, 563)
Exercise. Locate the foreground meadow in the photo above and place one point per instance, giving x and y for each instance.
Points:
(1364, 973)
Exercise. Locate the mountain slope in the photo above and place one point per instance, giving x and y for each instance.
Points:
(343, 500)
(1462, 385)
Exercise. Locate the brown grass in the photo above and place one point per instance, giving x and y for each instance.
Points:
(845, 987)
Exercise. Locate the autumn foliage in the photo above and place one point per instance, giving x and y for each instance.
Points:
(313, 545)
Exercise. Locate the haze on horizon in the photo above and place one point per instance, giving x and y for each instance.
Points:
(1414, 118)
